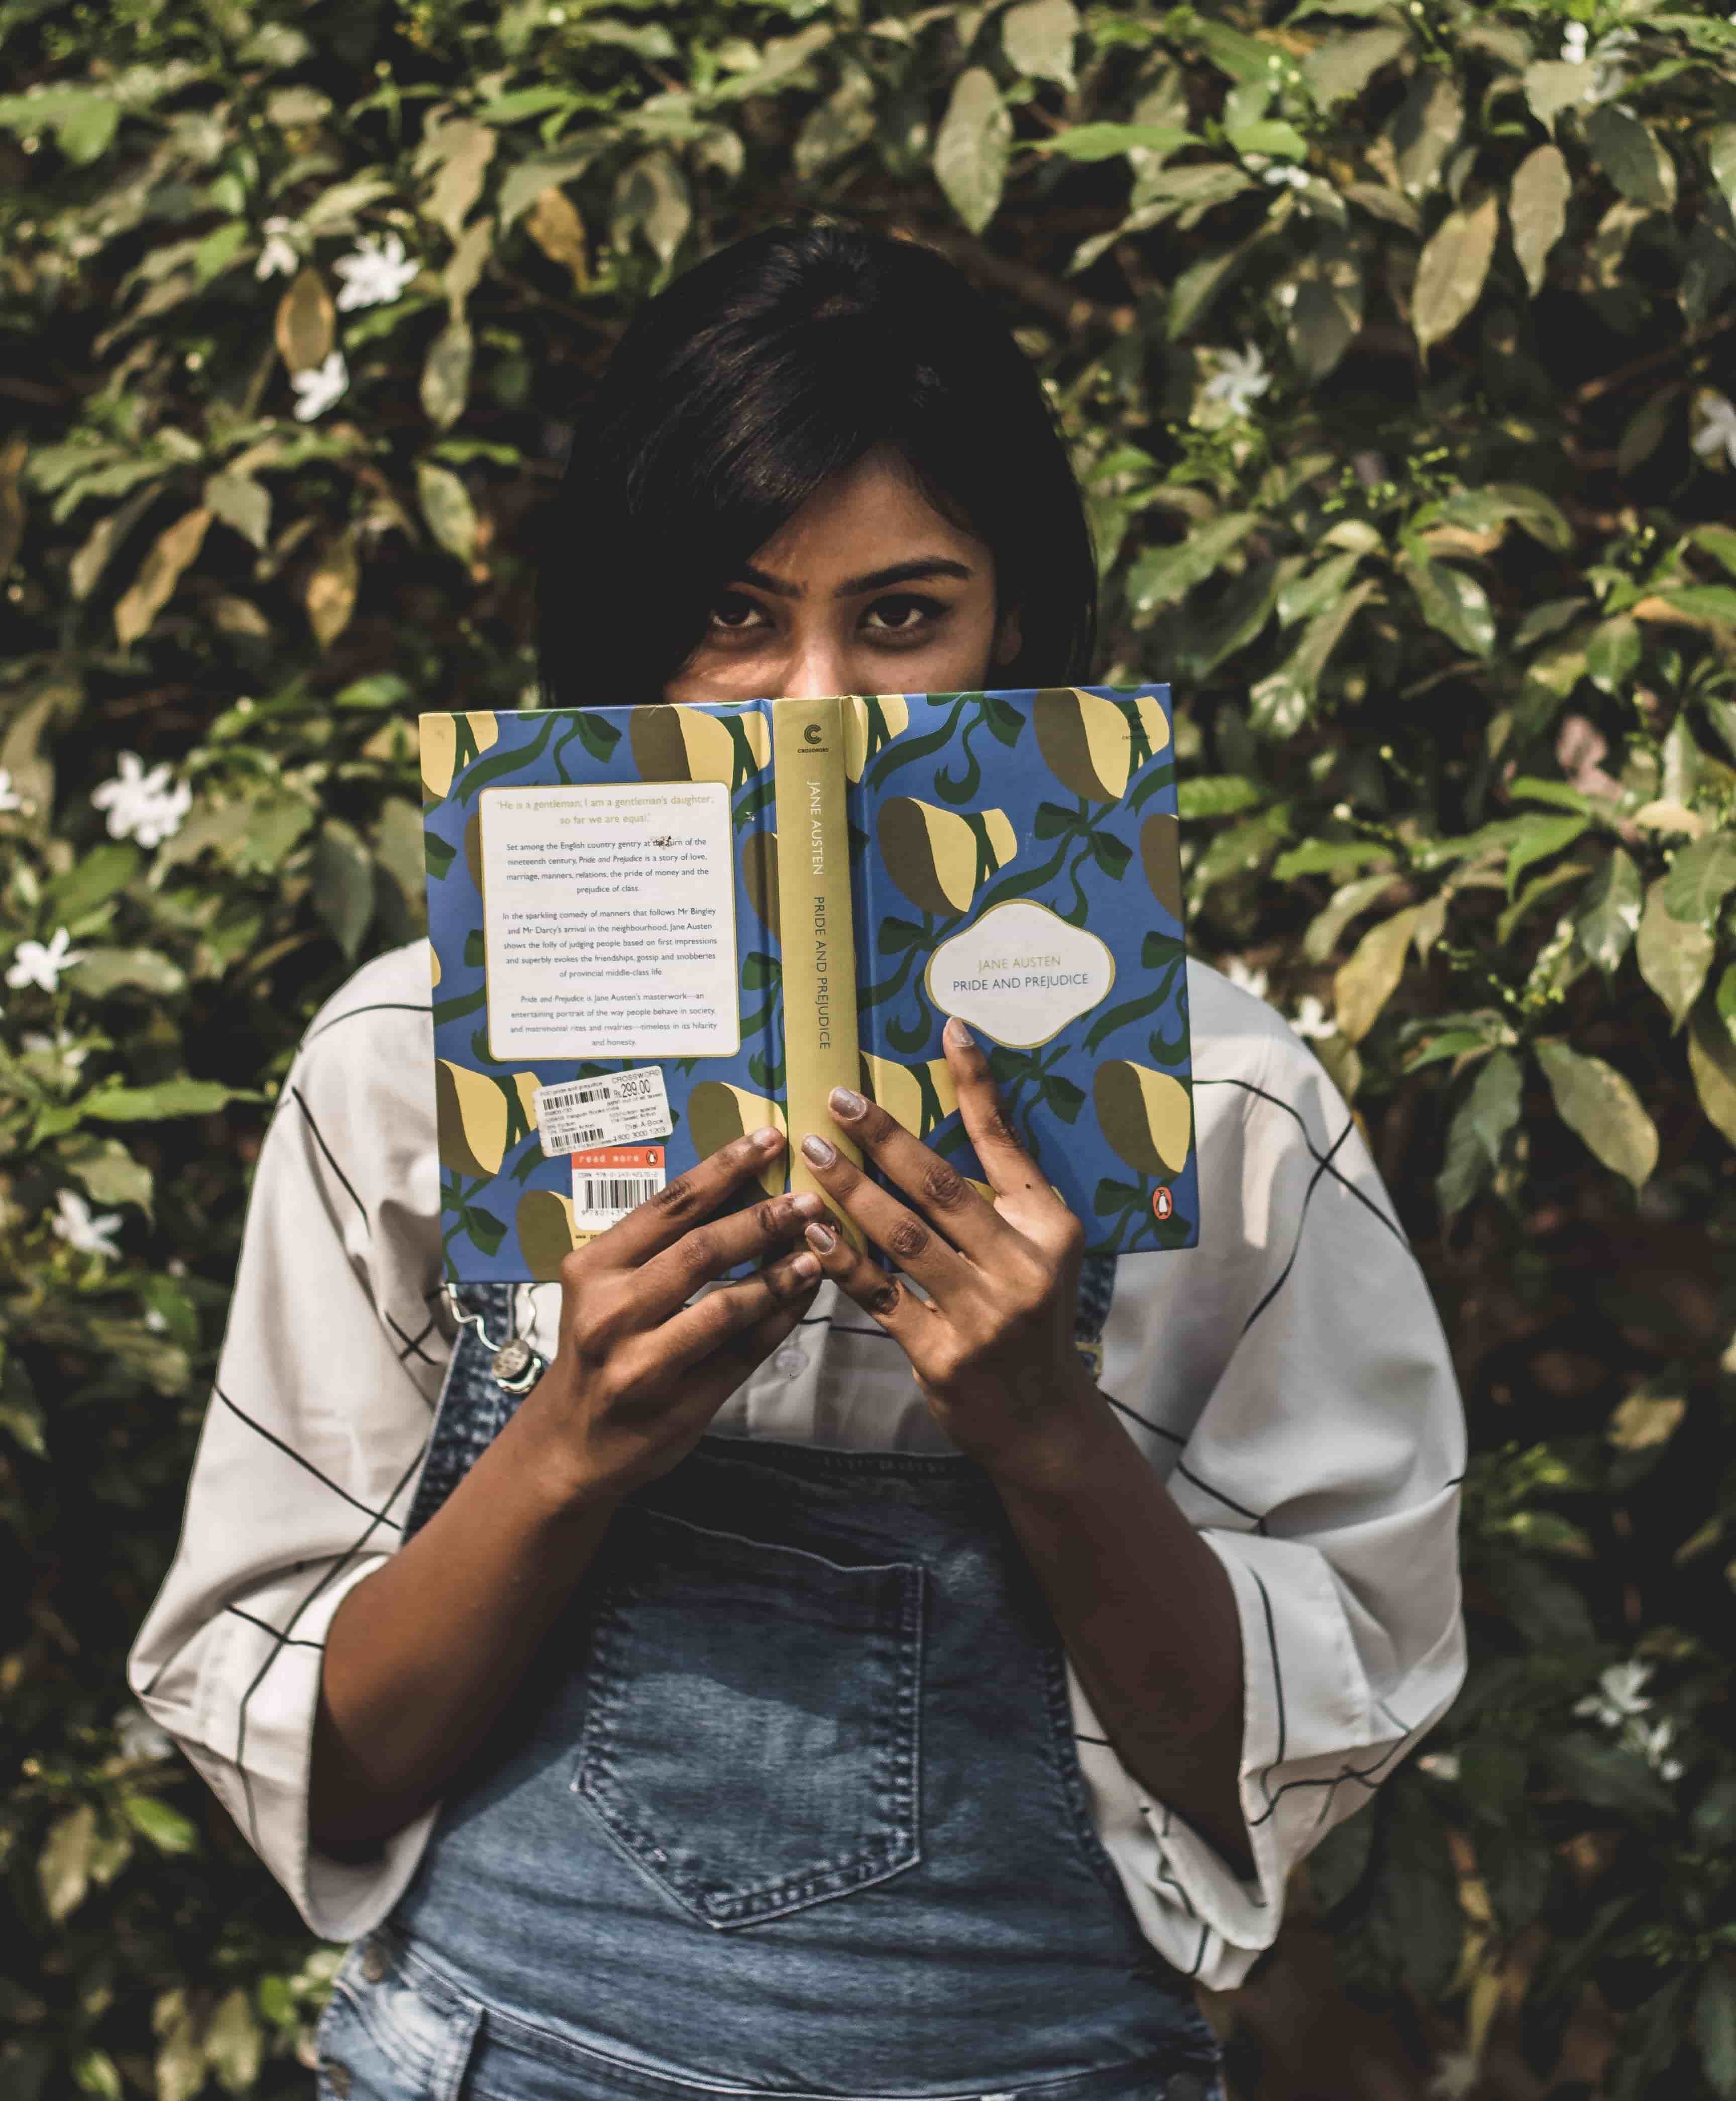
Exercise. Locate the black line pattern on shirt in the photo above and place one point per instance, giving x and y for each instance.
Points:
(283, 1636)
(265, 1627)
(302, 1459)
(331, 1157)
(377, 1006)
(1314, 1182)
(1338, 1176)
(1175, 1438)
(411, 1342)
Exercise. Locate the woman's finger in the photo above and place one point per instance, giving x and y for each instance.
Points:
(669, 1280)
(904, 1317)
(660, 1220)
(941, 1192)
(720, 1318)
(912, 1243)
(1007, 1168)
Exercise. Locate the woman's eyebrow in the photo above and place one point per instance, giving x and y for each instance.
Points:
(899, 572)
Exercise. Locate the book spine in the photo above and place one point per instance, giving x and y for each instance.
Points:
(816, 930)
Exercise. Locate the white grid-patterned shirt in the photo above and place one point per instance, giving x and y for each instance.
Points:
(1288, 1379)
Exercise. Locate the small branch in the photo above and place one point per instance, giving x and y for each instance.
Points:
(1595, 389)
(1078, 315)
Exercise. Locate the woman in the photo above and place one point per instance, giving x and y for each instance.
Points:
(813, 1686)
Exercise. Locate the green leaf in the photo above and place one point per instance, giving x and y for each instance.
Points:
(1478, 1131)
(1539, 838)
(1162, 575)
(235, 2042)
(1711, 1061)
(63, 1867)
(1633, 158)
(1715, 2026)
(104, 971)
(168, 1098)
(1701, 876)
(1608, 1776)
(446, 506)
(971, 148)
(1537, 210)
(1343, 66)
(1426, 129)
(1216, 795)
(445, 388)
(1610, 915)
(1552, 86)
(1452, 602)
(1451, 270)
(1038, 37)
(1364, 985)
(166, 1828)
(1719, 541)
(1326, 313)
(1612, 653)
(108, 1172)
(343, 893)
(1673, 957)
(1304, 596)
(1594, 1100)
(97, 876)
(1106, 142)
(1721, 158)
(240, 501)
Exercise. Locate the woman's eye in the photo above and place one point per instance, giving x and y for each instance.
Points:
(737, 615)
(903, 615)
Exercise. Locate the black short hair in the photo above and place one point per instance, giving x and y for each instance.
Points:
(746, 384)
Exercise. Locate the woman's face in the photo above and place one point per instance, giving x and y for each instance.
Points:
(866, 589)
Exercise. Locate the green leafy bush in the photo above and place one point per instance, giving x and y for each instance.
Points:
(1393, 343)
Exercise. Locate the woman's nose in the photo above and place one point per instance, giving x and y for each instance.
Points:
(816, 667)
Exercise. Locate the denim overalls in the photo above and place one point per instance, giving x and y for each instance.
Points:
(789, 1806)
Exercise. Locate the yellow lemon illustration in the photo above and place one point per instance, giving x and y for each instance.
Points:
(546, 1232)
(938, 857)
(474, 1121)
(871, 722)
(434, 963)
(1087, 741)
(671, 742)
(760, 874)
(1160, 856)
(1146, 1116)
(920, 1096)
(440, 747)
(718, 1113)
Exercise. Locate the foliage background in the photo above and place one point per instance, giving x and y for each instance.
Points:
(1388, 338)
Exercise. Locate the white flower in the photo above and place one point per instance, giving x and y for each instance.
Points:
(1241, 378)
(154, 1320)
(1455, 2075)
(143, 806)
(1238, 974)
(1655, 1742)
(1717, 431)
(32, 963)
(1284, 174)
(318, 386)
(72, 1053)
(9, 798)
(278, 257)
(76, 1226)
(1619, 1695)
(138, 1736)
(1574, 38)
(1440, 1765)
(1312, 1020)
(376, 274)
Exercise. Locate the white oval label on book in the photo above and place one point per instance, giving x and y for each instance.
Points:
(1021, 974)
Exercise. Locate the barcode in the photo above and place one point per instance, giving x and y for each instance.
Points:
(575, 1141)
(616, 1193)
(574, 1097)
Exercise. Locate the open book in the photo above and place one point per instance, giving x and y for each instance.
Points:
(656, 928)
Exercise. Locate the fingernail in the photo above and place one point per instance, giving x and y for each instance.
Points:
(768, 1138)
(817, 1149)
(846, 1102)
(822, 1237)
(958, 1035)
(808, 1205)
(804, 1268)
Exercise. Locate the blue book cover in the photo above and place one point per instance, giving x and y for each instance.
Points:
(656, 928)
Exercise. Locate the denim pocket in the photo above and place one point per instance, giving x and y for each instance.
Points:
(750, 1733)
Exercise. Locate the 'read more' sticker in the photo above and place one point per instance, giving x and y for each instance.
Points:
(610, 1108)
(609, 1181)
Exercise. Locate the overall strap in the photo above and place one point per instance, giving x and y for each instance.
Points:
(491, 1370)
(1097, 1287)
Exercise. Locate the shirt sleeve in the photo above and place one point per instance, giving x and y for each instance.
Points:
(1323, 1469)
(330, 1366)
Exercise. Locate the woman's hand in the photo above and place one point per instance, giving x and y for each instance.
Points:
(639, 1372)
(992, 1347)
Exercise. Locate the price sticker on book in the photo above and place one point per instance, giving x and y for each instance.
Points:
(611, 1108)
(609, 1181)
